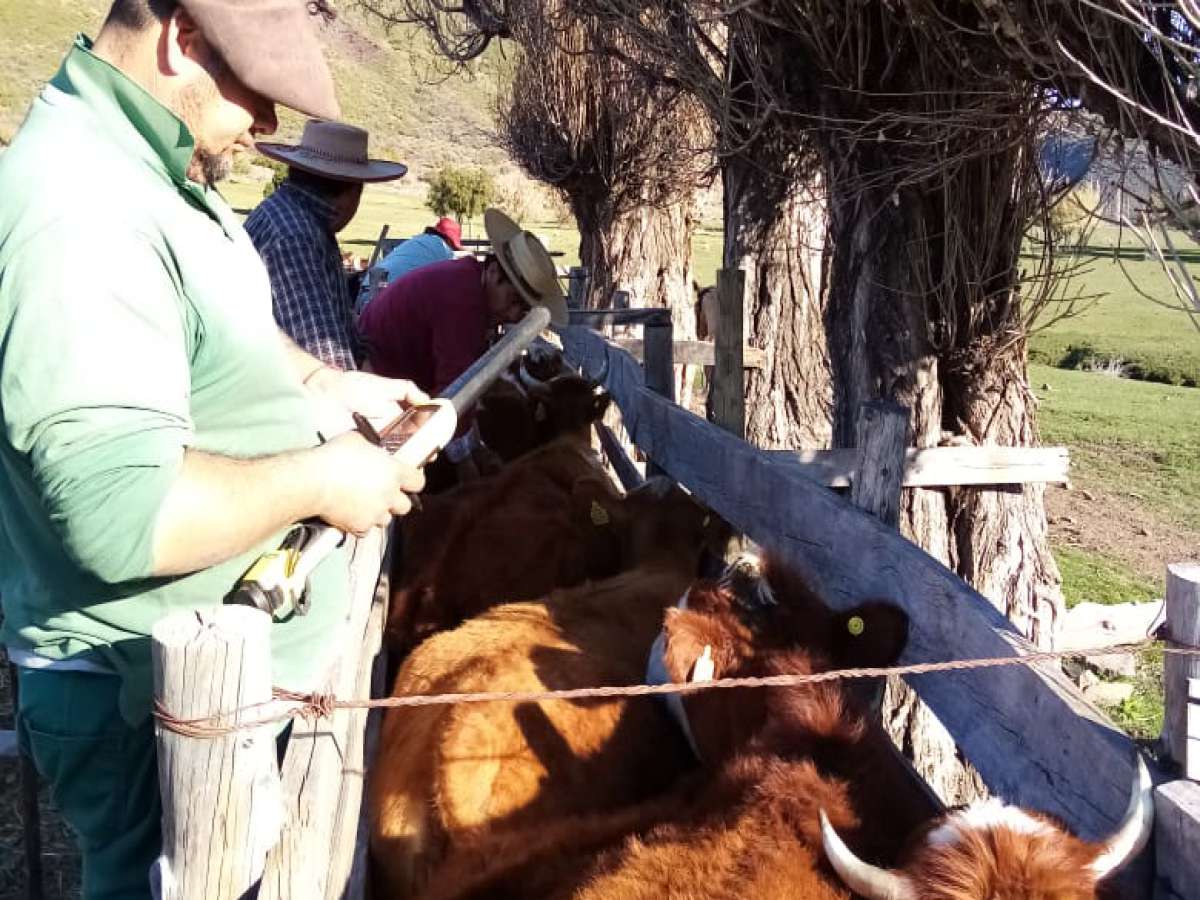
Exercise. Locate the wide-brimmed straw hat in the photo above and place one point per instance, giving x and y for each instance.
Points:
(334, 150)
(272, 47)
(527, 264)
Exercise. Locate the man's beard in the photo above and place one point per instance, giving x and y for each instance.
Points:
(205, 167)
(209, 168)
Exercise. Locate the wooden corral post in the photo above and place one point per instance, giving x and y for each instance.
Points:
(659, 365)
(577, 286)
(1183, 628)
(220, 795)
(375, 251)
(881, 432)
(729, 378)
(1176, 834)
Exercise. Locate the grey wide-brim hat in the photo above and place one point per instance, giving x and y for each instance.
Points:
(333, 150)
(527, 264)
(272, 47)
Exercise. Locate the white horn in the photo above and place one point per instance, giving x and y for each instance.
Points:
(532, 385)
(1135, 828)
(863, 878)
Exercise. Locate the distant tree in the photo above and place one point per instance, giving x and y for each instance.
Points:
(278, 175)
(463, 193)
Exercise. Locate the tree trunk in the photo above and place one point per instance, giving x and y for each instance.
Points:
(649, 254)
(999, 541)
(779, 242)
(880, 347)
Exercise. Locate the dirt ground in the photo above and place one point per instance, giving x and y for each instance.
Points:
(1118, 528)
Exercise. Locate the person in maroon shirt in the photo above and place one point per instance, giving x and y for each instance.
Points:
(429, 325)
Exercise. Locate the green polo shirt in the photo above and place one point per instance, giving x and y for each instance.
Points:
(135, 322)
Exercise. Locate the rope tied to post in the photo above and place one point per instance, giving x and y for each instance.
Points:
(291, 704)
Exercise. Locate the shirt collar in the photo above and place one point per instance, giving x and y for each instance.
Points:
(310, 200)
(127, 111)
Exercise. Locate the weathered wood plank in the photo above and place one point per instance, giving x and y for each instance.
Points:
(694, 353)
(729, 376)
(323, 771)
(659, 368)
(881, 432)
(8, 744)
(1176, 836)
(220, 795)
(941, 466)
(627, 472)
(1191, 765)
(1033, 738)
(1183, 626)
(597, 317)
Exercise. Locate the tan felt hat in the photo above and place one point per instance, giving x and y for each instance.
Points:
(272, 46)
(335, 150)
(527, 264)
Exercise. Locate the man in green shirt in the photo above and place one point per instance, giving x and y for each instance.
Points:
(159, 433)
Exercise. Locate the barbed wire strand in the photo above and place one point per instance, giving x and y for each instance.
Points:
(317, 705)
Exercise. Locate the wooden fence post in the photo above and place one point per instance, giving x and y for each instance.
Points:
(659, 366)
(881, 432)
(1183, 627)
(728, 395)
(220, 795)
(577, 287)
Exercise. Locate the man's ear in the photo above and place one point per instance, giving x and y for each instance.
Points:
(181, 44)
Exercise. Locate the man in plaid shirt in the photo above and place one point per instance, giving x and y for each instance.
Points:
(295, 232)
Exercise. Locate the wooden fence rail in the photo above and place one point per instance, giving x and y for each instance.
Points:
(1034, 739)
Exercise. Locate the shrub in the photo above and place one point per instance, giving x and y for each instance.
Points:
(462, 193)
(278, 174)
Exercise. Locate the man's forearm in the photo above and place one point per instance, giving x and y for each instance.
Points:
(219, 507)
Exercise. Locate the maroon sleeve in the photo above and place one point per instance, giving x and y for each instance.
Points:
(459, 338)
(374, 327)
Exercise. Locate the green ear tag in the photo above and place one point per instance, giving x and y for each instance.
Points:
(856, 625)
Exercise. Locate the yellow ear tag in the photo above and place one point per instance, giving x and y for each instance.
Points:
(599, 514)
(856, 625)
(704, 667)
(707, 519)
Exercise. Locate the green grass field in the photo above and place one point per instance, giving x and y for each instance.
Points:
(1138, 439)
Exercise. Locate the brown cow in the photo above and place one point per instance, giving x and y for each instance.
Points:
(551, 519)
(767, 816)
(443, 773)
(454, 778)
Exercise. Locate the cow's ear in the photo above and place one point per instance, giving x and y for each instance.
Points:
(714, 635)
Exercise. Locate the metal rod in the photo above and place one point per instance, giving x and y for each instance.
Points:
(466, 388)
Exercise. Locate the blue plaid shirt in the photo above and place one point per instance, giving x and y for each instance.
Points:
(310, 291)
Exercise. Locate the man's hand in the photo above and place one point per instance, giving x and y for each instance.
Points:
(362, 486)
(379, 399)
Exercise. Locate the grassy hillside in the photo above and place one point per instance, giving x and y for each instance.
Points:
(387, 83)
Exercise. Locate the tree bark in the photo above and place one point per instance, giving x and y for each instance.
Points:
(778, 239)
(648, 253)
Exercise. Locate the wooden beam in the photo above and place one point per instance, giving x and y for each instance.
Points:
(881, 432)
(729, 376)
(1183, 627)
(577, 287)
(1176, 836)
(8, 744)
(940, 466)
(695, 353)
(376, 251)
(1033, 738)
(627, 472)
(597, 317)
(1191, 768)
(220, 795)
(324, 769)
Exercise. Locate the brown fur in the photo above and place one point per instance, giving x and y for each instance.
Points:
(746, 825)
